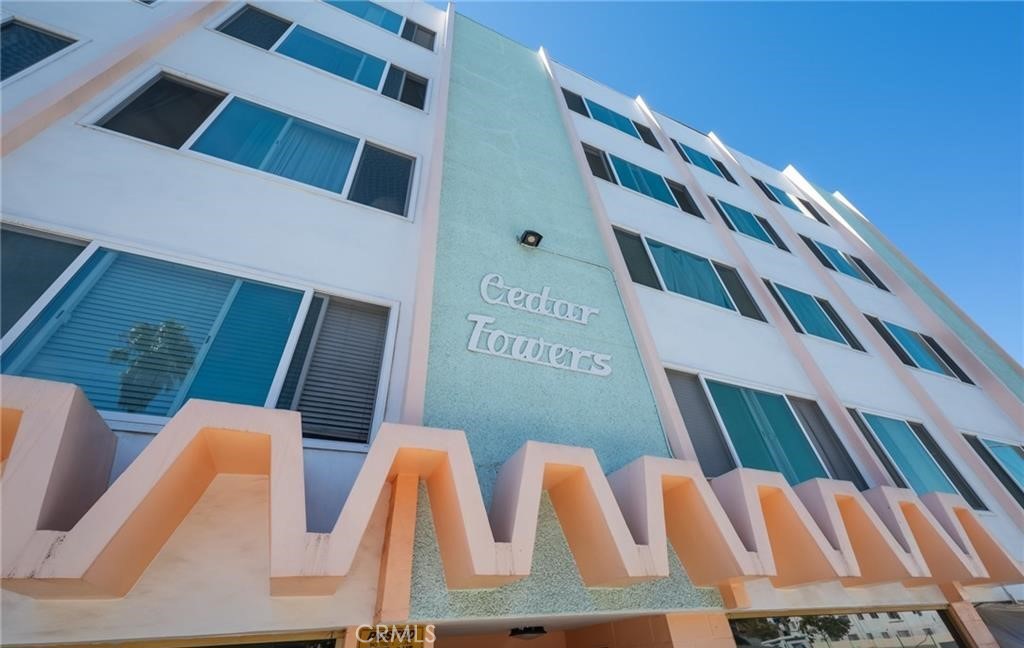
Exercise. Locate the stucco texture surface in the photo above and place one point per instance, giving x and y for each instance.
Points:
(554, 587)
(508, 167)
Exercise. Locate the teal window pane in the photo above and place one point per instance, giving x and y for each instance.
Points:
(332, 56)
(612, 118)
(689, 274)
(640, 179)
(783, 197)
(809, 313)
(247, 345)
(128, 334)
(699, 159)
(370, 12)
(1011, 457)
(765, 433)
(920, 470)
(746, 222)
(919, 351)
(840, 262)
(264, 139)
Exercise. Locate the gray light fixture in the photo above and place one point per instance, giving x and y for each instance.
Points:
(530, 238)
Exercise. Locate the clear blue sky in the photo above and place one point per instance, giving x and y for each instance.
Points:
(914, 111)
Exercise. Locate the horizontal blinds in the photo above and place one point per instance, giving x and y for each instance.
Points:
(338, 395)
(132, 339)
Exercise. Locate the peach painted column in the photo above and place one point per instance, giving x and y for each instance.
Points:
(708, 630)
(828, 397)
(37, 113)
(668, 410)
(971, 627)
(419, 346)
(394, 588)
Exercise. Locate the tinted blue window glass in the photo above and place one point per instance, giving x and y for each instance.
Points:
(746, 222)
(840, 262)
(810, 314)
(247, 346)
(334, 57)
(265, 139)
(783, 197)
(923, 356)
(765, 433)
(921, 471)
(371, 12)
(689, 274)
(699, 159)
(640, 179)
(612, 118)
(24, 46)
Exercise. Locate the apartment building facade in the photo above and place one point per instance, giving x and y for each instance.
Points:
(325, 314)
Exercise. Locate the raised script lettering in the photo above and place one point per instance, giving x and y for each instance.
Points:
(496, 342)
(494, 291)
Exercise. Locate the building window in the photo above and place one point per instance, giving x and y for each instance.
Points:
(22, 46)
(575, 102)
(169, 112)
(842, 262)
(1005, 460)
(307, 46)
(647, 135)
(618, 121)
(922, 464)
(917, 349)
(334, 373)
(692, 156)
(740, 220)
(642, 180)
(776, 195)
(812, 315)
(813, 212)
(611, 118)
(694, 276)
(598, 161)
(641, 270)
(406, 87)
(765, 433)
(371, 13)
(332, 56)
(255, 27)
(142, 336)
(893, 615)
(684, 199)
(383, 180)
(29, 264)
(417, 33)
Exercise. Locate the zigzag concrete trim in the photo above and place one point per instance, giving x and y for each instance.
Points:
(65, 535)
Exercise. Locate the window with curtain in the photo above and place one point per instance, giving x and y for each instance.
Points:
(765, 433)
(264, 139)
(22, 46)
(808, 312)
(743, 221)
(689, 274)
(142, 335)
(918, 349)
(371, 13)
(612, 118)
(642, 180)
(918, 467)
(255, 27)
(29, 264)
(333, 56)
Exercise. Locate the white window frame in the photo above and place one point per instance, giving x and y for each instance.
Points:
(149, 423)
(585, 106)
(121, 98)
(78, 41)
(618, 180)
(846, 255)
(728, 436)
(736, 230)
(214, 25)
(686, 158)
(401, 27)
(951, 375)
(631, 122)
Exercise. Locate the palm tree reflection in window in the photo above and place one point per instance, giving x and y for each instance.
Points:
(158, 357)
